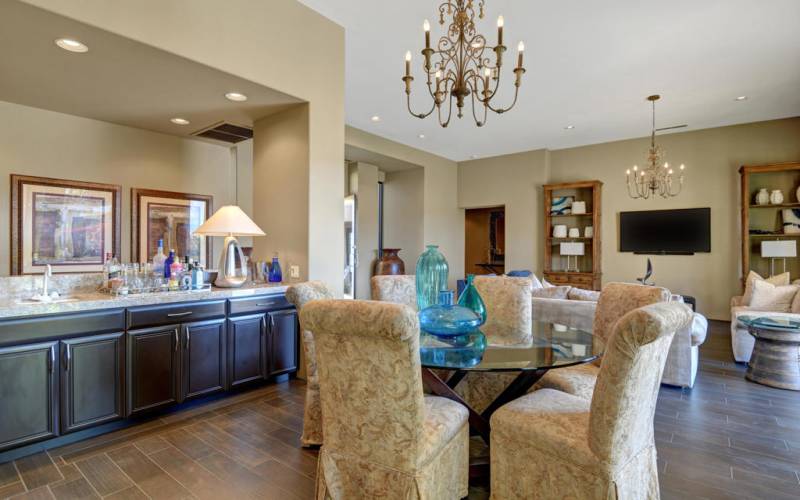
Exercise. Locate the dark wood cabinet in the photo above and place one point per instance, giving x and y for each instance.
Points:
(92, 380)
(203, 358)
(247, 348)
(282, 342)
(28, 393)
(153, 368)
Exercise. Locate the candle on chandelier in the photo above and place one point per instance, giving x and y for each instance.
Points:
(500, 23)
(427, 27)
(521, 50)
(408, 63)
(487, 73)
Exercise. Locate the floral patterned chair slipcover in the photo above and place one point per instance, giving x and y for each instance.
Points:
(300, 295)
(383, 438)
(400, 289)
(616, 300)
(550, 444)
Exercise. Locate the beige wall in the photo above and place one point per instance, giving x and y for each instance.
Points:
(259, 41)
(712, 157)
(442, 220)
(365, 186)
(48, 144)
(403, 209)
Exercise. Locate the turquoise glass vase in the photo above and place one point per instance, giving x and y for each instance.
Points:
(471, 299)
(431, 278)
(446, 319)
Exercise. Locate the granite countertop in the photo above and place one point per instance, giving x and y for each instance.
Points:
(14, 306)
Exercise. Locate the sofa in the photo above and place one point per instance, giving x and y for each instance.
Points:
(575, 311)
(741, 341)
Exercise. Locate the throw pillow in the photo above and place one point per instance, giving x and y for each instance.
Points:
(768, 297)
(547, 284)
(536, 282)
(777, 280)
(796, 302)
(553, 292)
(581, 294)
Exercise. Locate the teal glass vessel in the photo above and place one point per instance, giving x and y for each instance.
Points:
(446, 319)
(431, 278)
(464, 351)
(471, 299)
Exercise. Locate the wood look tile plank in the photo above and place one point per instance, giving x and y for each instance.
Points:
(40, 493)
(233, 472)
(103, 474)
(151, 444)
(102, 443)
(38, 470)
(73, 490)
(287, 478)
(131, 493)
(12, 489)
(70, 472)
(150, 478)
(238, 449)
(8, 474)
(283, 417)
(188, 443)
(195, 478)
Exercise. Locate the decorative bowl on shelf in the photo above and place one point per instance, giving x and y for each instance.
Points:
(446, 319)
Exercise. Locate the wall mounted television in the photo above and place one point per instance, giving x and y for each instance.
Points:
(665, 232)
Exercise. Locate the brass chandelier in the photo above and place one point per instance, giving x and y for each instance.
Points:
(655, 178)
(457, 68)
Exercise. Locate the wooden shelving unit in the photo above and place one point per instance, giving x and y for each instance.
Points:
(589, 275)
(783, 176)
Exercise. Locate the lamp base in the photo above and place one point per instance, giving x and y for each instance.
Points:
(228, 275)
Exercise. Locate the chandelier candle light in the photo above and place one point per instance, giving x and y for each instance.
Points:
(655, 177)
(457, 69)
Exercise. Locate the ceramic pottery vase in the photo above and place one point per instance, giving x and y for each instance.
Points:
(431, 272)
(578, 207)
(389, 263)
(588, 232)
(559, 231)
(446, 319)
(797, 194)
(762, 197)
(776, 197)
(471, 299)
(574, 232)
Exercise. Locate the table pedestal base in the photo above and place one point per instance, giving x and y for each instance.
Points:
(775, 363)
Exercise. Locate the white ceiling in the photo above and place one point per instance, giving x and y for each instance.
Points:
(589, 64)
(119, 80)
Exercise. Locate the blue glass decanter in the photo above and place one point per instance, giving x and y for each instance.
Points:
(431, 278)
(275, 275)
(446, 319)
(471, 299)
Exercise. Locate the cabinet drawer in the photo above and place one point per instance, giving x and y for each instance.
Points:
(16, 331)
(252, 305)
(560, 279)
(145, 316)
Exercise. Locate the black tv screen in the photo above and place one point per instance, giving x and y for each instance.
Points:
(683, 231)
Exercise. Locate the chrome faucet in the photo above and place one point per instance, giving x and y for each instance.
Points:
(48, 273)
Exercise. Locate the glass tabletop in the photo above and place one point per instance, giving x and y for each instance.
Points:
(549, 346)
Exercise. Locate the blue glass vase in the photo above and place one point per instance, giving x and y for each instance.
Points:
(471, 299)
(275, 275)
(431, 278)
(446, 319)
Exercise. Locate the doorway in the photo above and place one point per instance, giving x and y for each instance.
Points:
(485, 240)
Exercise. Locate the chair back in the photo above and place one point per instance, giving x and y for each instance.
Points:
(299, 295)
(618, 299)
(370, 380)
(400, 289)
(508, 309)
(624, 399)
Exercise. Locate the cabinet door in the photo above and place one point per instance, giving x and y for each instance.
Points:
(282, 345)
(203, 358)
(153, 368)
(28, 394)
(92, 380)
(247, 347)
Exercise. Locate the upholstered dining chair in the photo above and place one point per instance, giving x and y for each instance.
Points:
(616, 300)
(383, 438)
(300, 295)
(400, 289)
(550, 444)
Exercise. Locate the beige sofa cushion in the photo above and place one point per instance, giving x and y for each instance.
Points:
(777, 280)
(581, 294)
(553, 292)
(768, 297)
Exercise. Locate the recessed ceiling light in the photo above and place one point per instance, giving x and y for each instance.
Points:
(71, 45)
(179, 121)
(375, 118)
(235, 96)
(421, 136)
(741, 98)
(569, 127)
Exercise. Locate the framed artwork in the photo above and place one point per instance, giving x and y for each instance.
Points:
(172, 217)
(70, 225)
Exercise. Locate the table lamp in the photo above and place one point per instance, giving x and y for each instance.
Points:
(572, 249)
(230, 221)
(778, 249)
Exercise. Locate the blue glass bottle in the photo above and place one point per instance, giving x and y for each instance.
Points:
(471, 299)
(431, 277)
(168, 263)
(446, 319)
(275, 274)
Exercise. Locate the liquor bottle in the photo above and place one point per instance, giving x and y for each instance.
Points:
(275, 274)
(107, 272)
(197, 277)
(168, 263)
(159, 258)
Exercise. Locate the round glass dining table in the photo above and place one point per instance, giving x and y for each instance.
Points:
(445, 362)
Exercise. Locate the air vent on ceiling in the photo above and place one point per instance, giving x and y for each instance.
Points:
(226, 132)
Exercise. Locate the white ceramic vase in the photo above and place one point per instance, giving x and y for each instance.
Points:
(588, 232)
(574, 232)
(797, 193)
(578, 207)
(559, 231)
(776, 197)
(762, 197)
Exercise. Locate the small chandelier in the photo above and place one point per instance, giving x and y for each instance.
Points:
(459, 69)
(655, 177)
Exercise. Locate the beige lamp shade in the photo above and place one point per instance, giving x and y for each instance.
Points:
(229, 220)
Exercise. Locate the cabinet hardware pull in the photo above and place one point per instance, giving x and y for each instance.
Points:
(177, 340)
(188, 336)
(271, 322)
(52, 359)
(263, 325)
(265, 304)
(178, 315)
(68, 356)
